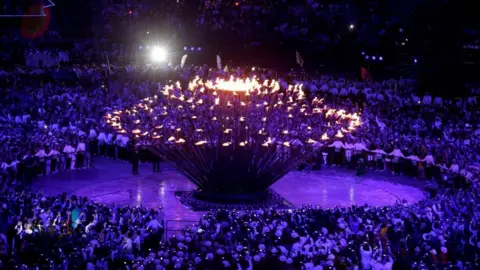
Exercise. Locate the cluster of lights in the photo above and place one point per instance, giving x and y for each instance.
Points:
(192, 49)
(373, 57)
(249, 95)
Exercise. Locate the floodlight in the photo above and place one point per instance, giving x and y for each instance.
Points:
(158, 54)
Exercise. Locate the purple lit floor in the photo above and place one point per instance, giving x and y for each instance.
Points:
(112, 182)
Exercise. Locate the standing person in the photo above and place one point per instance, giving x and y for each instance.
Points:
(41, 155)
(30, 165)
(361, 166)
(429, 162)
(80, 154)
(396, 155)
(101, 143)
(134, 161)
(54, 156)
(123, 148)
(89, 155)
(69, 152)
(337, 155)
(156, 164)
(110, 147)
(92, 141)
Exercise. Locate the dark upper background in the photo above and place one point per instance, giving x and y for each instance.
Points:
(442, 36)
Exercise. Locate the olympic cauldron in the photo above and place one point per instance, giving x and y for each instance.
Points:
(233, 137)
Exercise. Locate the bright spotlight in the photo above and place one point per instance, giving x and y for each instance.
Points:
(373, 57)
(199, 49)
(380, 58)
(366, 57)
(192, 49)
(415, 60)
(351, 26)
(363, 53)
(185, 48)
(158, 54)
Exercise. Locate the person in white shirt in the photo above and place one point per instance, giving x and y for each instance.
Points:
(366, 256)
(92, 141)
(101, 139)
(348, 152)
(358, 149)
(110, 147)
(396, 155)
(338, 147)
(117, 143)
(54, 157)
(80, 154)
(123, 148)
(41, 155)
(454, 168)
(379, 154)
(429, 163)
(69, 151)
(9, 167)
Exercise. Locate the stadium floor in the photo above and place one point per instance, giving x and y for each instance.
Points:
(111, 182)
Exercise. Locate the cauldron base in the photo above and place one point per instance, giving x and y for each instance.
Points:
(204, 201)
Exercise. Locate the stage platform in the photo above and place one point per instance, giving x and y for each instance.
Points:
(111, 182)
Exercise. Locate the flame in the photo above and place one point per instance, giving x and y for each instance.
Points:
(136, 131)
(200, 143)
(325, 137)
(234, 85)
(339, 134)
(267, 142)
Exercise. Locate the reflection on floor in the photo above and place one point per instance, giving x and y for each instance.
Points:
(112, 182)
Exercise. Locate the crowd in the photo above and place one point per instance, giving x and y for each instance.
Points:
(59, 123)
